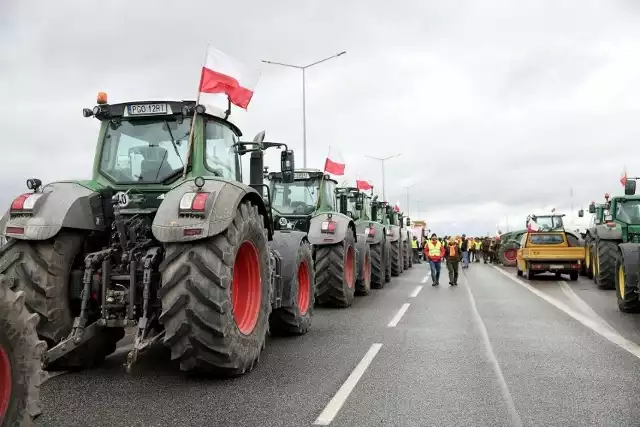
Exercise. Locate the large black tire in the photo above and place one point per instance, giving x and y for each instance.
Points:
(396, 258)
(205, 330)
(20, 360)
(607, 251)
(387, 262)
(363, 282)
(296, 318)
(378, 266)
(405, 253)
(41, 270)
(410, 252)
(584, 266)
(626, 288)
(336, 268)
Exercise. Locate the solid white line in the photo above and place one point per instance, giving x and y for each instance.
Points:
(398, 315)
(604, 331)
(582, 305)
(504, 388)
(334, 405)
(425, 279)
(415, 292)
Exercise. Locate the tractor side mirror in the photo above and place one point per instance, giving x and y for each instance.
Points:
(359, 202)
(630, 187)
(581, 213)
(592, 208)
(259, 136)
(287, 165)
(408, 221)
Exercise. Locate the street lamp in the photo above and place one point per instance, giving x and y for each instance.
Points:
(304, 97)
(382, 160)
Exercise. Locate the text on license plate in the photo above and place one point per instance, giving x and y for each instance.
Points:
(556, 266)
(146, 109)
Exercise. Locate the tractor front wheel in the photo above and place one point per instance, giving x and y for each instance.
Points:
(216, 297)
(396, 258)
(625, 289)
(336, 272)
(363, 282)
(606, 258)
(378, 265)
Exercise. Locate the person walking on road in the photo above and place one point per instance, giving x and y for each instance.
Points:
(415, 250)
(486, 247)
(453, 256)
(464, 247)
(472, 250)
(434, 253)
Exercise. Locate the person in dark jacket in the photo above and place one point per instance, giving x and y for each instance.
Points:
(464, 248)
(453, 255)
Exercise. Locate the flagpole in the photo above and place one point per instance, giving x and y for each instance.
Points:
(195, 114)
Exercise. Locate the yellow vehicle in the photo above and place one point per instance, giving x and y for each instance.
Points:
(549, 251)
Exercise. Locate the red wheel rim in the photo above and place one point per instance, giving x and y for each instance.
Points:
(5, 382)
(246, 288)
(349, 272)
(510, 254)
(367, 269)
(304, 290)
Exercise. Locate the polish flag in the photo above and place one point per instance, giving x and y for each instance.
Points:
(396, 208)
(334, 164)
(623, 178)
(223, 74)
(363, 185)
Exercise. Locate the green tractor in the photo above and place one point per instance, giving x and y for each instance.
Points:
(597, 218)
(510, 242)
(620, 224)
(395, 237)
(164, 238)
(309, 204)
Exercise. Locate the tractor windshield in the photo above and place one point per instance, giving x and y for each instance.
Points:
(547, 223)
(297, 198)
(628, 211)
(144, 151)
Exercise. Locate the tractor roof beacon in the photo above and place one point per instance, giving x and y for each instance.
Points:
(164, 237)
(309, 204)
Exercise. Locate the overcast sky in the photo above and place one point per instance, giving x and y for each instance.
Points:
(498, 107)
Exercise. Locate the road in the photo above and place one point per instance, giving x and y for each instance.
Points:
(494, 351)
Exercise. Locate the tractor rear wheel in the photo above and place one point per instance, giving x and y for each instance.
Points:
(216, 297)
(296, 318)
(388, 262)
(336, 272)
(363, 282)
(20, 360)
(607, 251)
(396, 260)
(41, 269)
(378, 265)
(625, 289)
(405, 253)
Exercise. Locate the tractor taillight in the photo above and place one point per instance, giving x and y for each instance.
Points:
(370, 231)
(193, 202)
(328, 227)
(25, 202)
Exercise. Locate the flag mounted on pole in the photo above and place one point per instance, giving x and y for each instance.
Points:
(334, 164)
(623, 178)
(224, 74)
(363, 185)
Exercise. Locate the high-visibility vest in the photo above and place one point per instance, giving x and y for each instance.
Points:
(434, 250)
(414, 244)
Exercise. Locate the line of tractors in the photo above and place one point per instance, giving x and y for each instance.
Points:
(167, 240)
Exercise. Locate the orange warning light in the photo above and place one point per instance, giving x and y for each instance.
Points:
(102, 97)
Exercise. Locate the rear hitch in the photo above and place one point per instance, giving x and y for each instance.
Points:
(70, 343)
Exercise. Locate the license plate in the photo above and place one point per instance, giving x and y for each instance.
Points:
(148, 109)
(556, 266)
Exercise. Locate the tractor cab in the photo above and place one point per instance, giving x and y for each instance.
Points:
(622, 213)
(545, 222)
(352, 202)
(296, 202)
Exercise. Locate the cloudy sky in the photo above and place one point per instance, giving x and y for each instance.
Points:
(498, 107)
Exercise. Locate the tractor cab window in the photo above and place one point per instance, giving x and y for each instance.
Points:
(329, 195)
(628, 211)
(297, 198)
(548, 223)
(220, 156)
(367, 207)
(144, 151)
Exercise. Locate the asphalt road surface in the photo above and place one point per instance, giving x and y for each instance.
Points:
(494, 351)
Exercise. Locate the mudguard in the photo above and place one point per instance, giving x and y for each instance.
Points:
(343, 223)
(393, 234)
(63, 204)
(286, 244)
(224, 198)
(606, 233)
(631, 258)
(378, 235)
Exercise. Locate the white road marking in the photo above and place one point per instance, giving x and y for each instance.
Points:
(595, 326)
(415, 292)
(425, 279)
(398, 315)
(582, 305)
(504, 388)
(334, 405)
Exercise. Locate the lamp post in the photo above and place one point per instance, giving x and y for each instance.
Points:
(382, 160)
(304, 96)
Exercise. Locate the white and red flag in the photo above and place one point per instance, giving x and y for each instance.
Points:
(334, 163)
(224, 74)
(623, 178)
(363, 185)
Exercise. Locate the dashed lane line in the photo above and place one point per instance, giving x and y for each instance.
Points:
(425, 279)
(398, 315)
(333, 407)
(594, 325)
(504, 388)
(415, 292)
